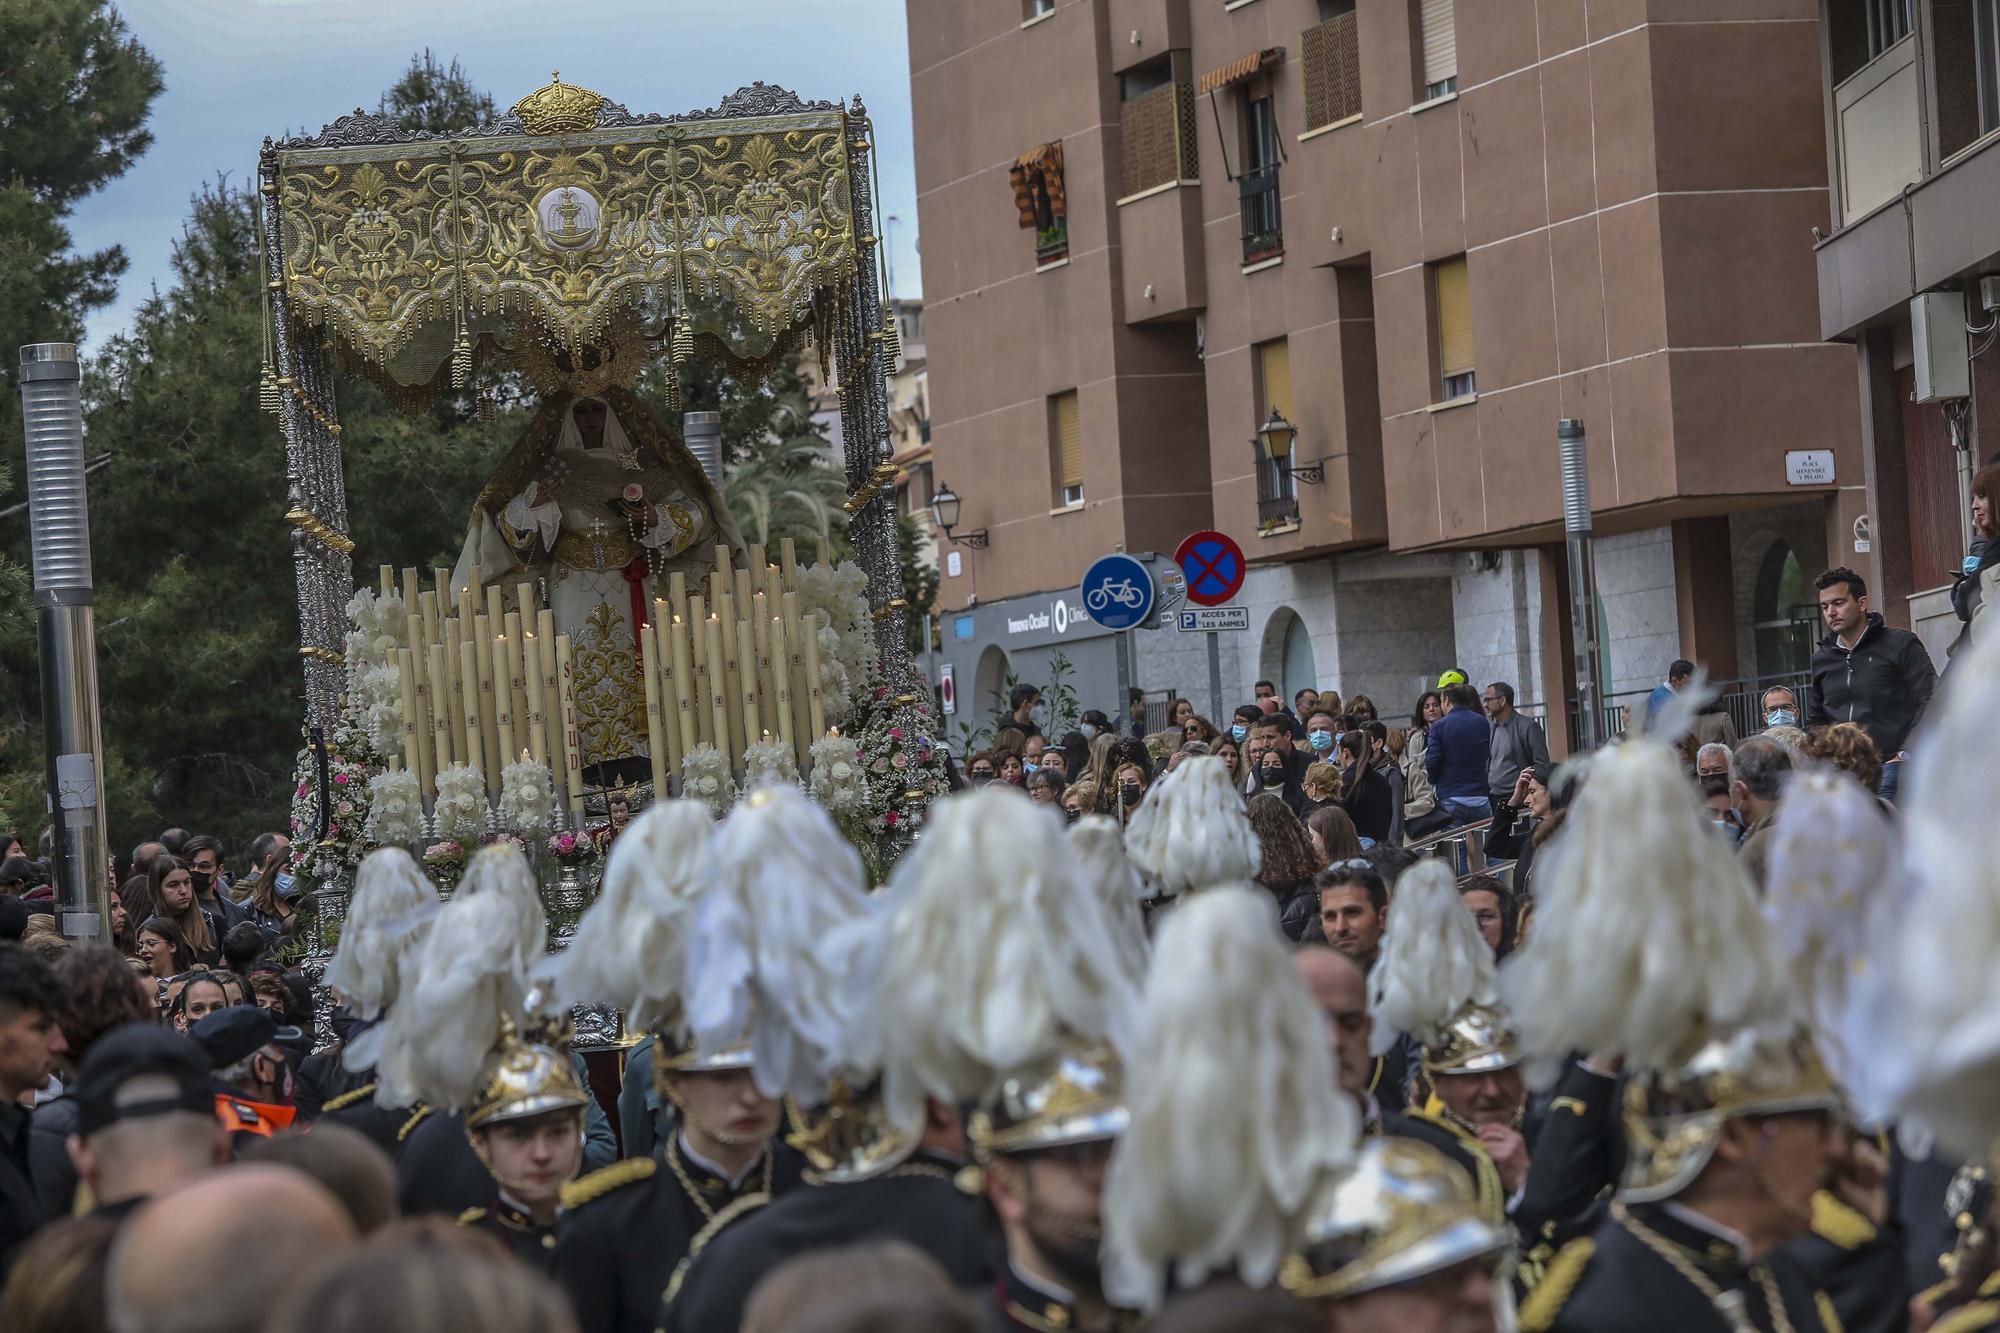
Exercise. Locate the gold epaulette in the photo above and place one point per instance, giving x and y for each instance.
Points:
(347, 1098)
(471, 1216)
(416, 1118)
(1829, 1317)
(1968, 1318)
(1545, 1302)
(1836, 1220)
(746, 1203)
(602, 1181)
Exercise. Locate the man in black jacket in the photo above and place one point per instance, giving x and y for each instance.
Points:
(1868, 673)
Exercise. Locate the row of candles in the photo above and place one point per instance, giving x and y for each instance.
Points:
(728, 664)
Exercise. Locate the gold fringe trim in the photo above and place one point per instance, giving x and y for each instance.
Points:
(1835, 1220)
(1545, 1302)
(597, 1184)
(348, 1098)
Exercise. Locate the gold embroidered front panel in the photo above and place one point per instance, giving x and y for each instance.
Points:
(387, 243)
(610, 693)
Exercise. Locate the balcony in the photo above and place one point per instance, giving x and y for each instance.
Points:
(1332, 59)
(1263, 226)
(1157, 131)
(1881, 144)
(1052, 242)
(1277, 495)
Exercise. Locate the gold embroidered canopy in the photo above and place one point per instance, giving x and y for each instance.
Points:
(560, 221)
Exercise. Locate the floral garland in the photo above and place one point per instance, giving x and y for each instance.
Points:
(705, 777)
(835, 599)
(459, 812)
(905, 771)
(837, 780)
(445, 861)
(348, 798)
(527, 797)
(769, 762)
(395, 809)
(572, 848)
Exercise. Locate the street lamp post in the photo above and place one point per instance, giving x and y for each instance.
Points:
(1577, 532)
(66, 636)
(945, 506)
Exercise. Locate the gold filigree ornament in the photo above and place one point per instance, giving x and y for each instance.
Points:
(741, 227)
(558, 108)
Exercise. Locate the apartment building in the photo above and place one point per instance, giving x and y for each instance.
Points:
(1325, 274)
(1912, 110)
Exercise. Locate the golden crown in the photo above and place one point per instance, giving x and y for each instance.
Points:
(558, 108)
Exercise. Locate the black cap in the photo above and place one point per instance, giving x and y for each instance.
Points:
(232, 1034)
(105, 1092)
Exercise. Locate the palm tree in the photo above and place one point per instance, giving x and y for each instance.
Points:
(789, 486)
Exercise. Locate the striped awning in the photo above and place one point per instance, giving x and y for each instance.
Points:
(1237, 70)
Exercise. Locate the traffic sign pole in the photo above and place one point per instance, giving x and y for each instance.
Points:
(1214, 676)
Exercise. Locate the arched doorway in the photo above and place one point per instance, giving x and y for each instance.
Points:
(989, 683)
(1782, 614)
(1288, 650)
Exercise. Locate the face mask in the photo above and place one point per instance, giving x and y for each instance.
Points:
(1130, 793)
(1069, 816)
(285, 885)
(202, 879)
(1089, 730)
(1321, 740)
(1238, 732)
(1781, 717)
(1029, 770)
(1273, 774)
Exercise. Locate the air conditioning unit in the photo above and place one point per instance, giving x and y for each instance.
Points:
(1937, 339)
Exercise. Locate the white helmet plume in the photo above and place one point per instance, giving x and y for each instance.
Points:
(762, 962)
(630, 949)
(392, 906)
(1434, 960)
(996, 948)
(1946, 988)
(472, 970)
(1648, 939)
(1098, 848)
(1237, 1115)
(1192, 832)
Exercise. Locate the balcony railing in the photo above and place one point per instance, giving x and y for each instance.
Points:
(1880, 135)
(1052, 242)
(1157, 130)
(1277, 494)
(1332, 58)
(1263, 227)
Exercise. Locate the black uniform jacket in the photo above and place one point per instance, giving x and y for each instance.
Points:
(626, 1229)
(917, 1202)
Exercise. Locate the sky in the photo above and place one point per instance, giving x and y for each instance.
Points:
(239, 70)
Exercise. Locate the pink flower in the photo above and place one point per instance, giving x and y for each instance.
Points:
(340, 778)
(891, 819)
(332, 829)
(895, 733)
(301, 791)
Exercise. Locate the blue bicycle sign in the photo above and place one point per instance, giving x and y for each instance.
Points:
(1118, 592)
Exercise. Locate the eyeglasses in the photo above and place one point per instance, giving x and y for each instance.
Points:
(982, 772)
(1352, 863)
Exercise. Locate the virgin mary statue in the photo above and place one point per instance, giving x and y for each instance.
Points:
(600, 502)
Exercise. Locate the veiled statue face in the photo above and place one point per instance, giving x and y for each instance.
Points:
(590, 414)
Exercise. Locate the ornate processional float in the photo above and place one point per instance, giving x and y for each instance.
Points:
(606, 635)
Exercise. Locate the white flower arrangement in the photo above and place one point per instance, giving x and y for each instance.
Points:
(527, 793)
(835, 599)
(460, 810)
(395, 809)
(705, 777)
(374, 679)
(769, 761)
(837, 779)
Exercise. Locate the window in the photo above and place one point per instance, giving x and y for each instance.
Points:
(1066, 449)
(1332, 55)
(1277, 489)
(1156, 124)
(1039, 198)
(1438, 26)
(1263, 232)
(1451, 291)
(1888, 23)
(1037, 8)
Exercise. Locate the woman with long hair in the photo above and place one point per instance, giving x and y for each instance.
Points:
(1128, 787)
(199, 995)
(269, 910)
(163, 949)
(1333, 835)
(1198, 728)
(1364, 793)
(173, 892)
(1231, 755)
(1100, 768)
(1289, 863)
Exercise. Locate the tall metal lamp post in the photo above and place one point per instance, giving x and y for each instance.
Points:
(66, 636)
(1577, 532)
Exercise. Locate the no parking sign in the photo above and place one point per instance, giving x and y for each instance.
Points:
(1214, 566)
